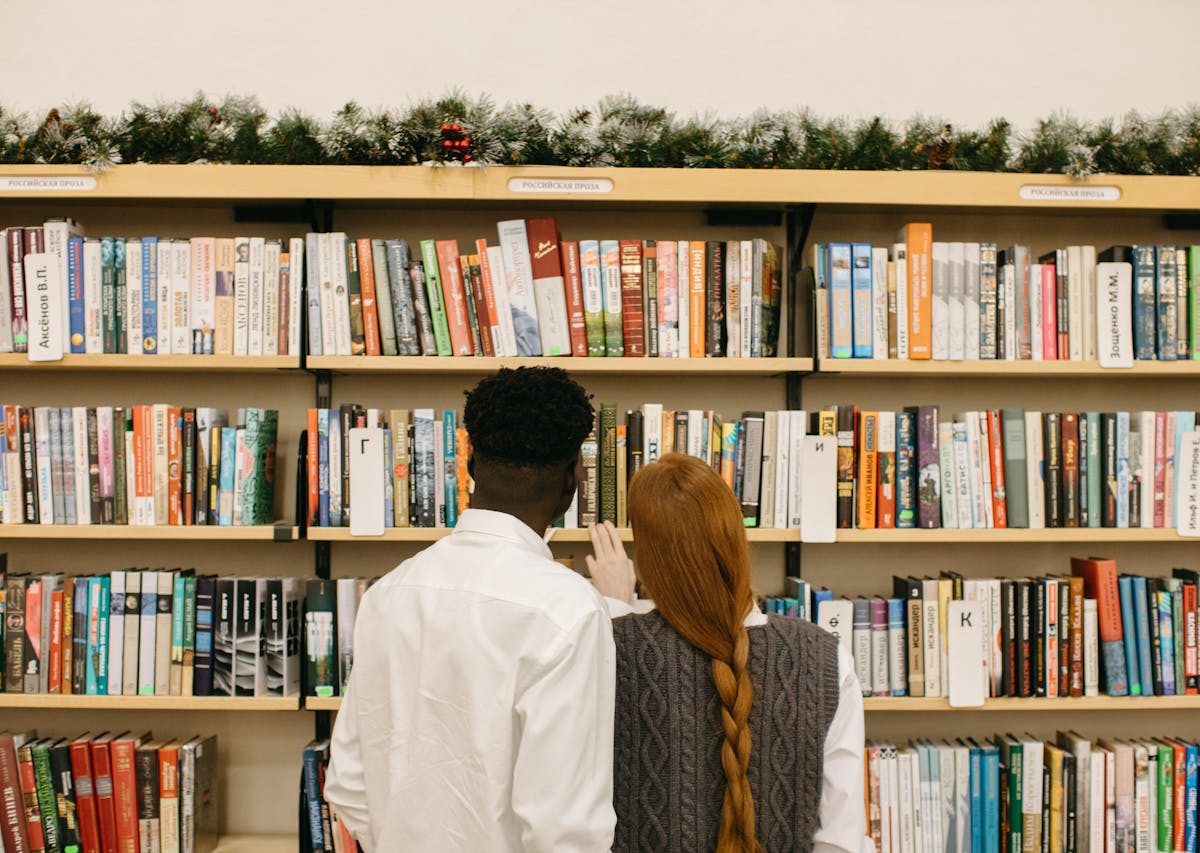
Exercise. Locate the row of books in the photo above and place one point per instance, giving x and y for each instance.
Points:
(1011, 468)
(920, 299)
(413, 468)
(1055, 636)
(106, 792)
(1021, 793)
(61, 292)
(320, 828)
(150, 633)
(140, 465)
(536, 294)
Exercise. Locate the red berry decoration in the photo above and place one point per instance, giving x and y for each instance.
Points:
(456, 143)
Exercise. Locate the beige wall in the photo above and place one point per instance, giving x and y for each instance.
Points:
(964, 59)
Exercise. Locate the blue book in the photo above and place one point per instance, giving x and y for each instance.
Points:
(819, 595)
(389, 500)
(991, 798)
(1166, 303)
(150, 295)
(895, 611)
(323, 467)
(906, 470)
(841, 310)
(335, 478)
(1192, 754)
(1143, 302)
(92, 656)
(75, 294)
(863, 301)
(227, 474)
(451, 467)
(1141, 617)
(102, 662)
(1129, 634)
(1166, 643)
(312, 799)
(312, 294)
(79, 638)
(1123, 474)
(1184, 422)
(976, 764)
(179, 586)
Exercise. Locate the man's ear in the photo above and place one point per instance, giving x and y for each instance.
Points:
(471, 464)
(571, 478)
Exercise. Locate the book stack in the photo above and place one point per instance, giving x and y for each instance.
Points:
(108, 791)
(1019, 792)
(419, 473)
(61, 292)
(1091, 632)
(1009, 468)
(320, 828)
(921, 299)
(536, 294)
(329, 613)
(139, 465)
(151, 633)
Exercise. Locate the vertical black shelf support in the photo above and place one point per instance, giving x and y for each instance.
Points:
(797, 223)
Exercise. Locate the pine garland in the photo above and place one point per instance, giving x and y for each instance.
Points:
(618, 131)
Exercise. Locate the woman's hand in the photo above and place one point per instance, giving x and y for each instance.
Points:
(611, 570)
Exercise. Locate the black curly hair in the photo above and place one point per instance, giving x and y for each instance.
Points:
(530, 417)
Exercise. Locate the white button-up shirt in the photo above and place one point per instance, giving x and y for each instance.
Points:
(479, 714)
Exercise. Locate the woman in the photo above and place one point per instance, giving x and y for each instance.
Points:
(735, 731)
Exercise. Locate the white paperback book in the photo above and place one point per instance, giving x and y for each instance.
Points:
(522, 301)
(837, 617)
(900, 259)
(241, 297)
(340, 294)
(747, 305)
(971, 287)
(116, 631)
(272, 249)
(45, 472)
(783, 466)
(83, 502)
(1033, 470)
(1075, 302)
(651, 432)
(818, 487)
(957, 340)
(1091, 649)
(1146, 506)
(162, 260)
(324, 277)
(181, 297)
(931, 635)
(968, 665)
(879, 303)
(940, 324)
(254, 298)
(683, 295)
(56, 233)
(1187, 487)
(366, 481)
(204, 292)
(1088, 263)
(146, 634)
(506, 340)
(44, 307)
(1035, 312)
(296, 262)
(1114, 318)
(92, 317)
(133, 297)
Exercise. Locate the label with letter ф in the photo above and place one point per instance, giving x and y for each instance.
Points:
(1187, 490)
(1053, 192)
(47, 183)
(587, 186)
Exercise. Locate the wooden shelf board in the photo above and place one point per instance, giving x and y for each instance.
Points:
(264, 532)
(165, 363)
(149, 703)
(454, 185)
(616, 366)
(1005, 369)
(905, 704)
(245, 843)
(1058, 534)
(322, 703)
(430, 534)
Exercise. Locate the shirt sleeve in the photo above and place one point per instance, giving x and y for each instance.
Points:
(345, 779)
(843, 821)
(562, 777)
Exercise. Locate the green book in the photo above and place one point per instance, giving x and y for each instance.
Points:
(262, 510)
(433, 291)
(1166, 795)
(608, 462)
(45, 794)
(1095, 482)
(1194, 301)
(189, 632)
(1010, 755)
(611, 299)
(358, 337)
(320, 632)
(178, 591)
(592, 285)
(1174, 588)
(108, 294)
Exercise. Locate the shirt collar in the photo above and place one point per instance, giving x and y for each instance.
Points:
(503, 526)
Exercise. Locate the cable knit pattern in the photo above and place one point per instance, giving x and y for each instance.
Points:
(668, 785)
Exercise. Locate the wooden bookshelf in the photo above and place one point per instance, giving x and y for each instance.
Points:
(594, 366)
(867, 367)
(148, 703)
(906, 704)
(322, 703)
(154, 363)
(182, 533)
(1013, 535)
(606, 186)
(432, 534)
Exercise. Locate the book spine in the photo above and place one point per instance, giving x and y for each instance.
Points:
(1166, 309)
(841, 299)
(576, 313)
(929, 477)
(518, 276)
(1144, 313)
(632, 317)
(370, 303)
(454, 296)
(414, 333)
(592, 276)
(862, 300)
(918, 238)
(906, 470)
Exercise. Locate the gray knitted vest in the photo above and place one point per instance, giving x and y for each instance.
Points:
(668, 785)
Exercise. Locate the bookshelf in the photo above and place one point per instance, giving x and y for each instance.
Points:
(261, 762)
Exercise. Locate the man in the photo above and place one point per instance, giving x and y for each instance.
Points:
(479, 714)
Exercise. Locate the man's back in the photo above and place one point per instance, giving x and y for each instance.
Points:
(480, 708)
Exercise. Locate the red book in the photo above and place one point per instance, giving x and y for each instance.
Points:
(124, 791)
(632, 319)
(314, 494)
(33, 632)
(1160, 466)
(33, 813)
(1049, 314)
(85, 796)
(549, 288)
(482, 314)
(1100, 582)
(455, 297)
(54, 675)
(189, 478)
(1179, 778)
(13, 828)
(489, 293)
(996, 464)
(106, 817)
(370, 309)
(569, 249)
(1191, 657)
(174, 466)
